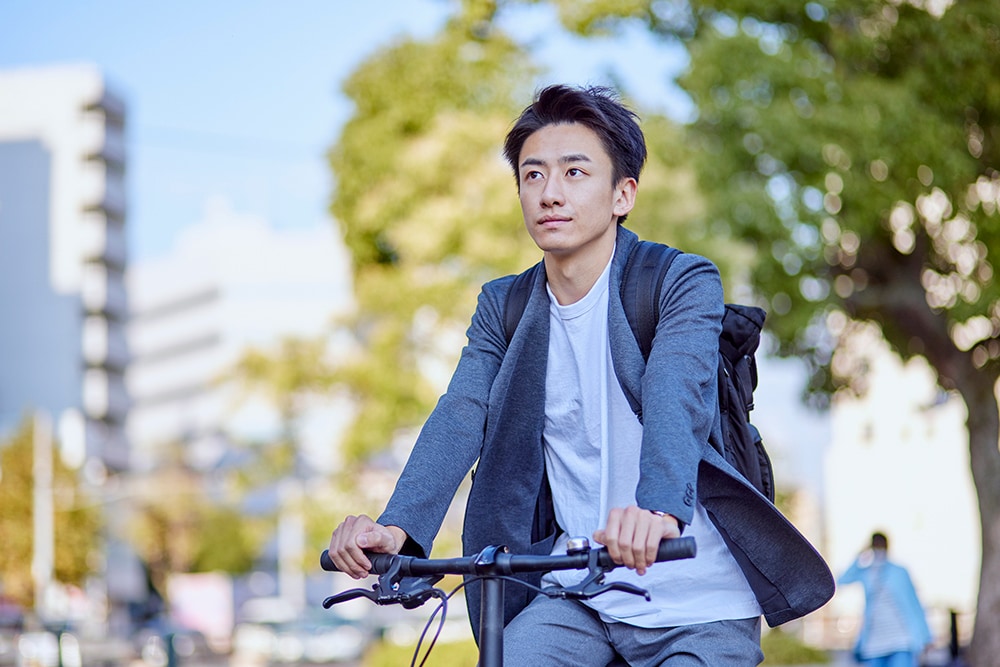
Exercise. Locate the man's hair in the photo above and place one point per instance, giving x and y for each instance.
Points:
(880, 541)
(596, 108)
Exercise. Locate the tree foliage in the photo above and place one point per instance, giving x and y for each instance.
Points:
(424, 201)
(176, 525)
(429, 210)
(863, 137)
(855, 144)
(849, 147)
(288, 377)
(843, 140)
(77, 520)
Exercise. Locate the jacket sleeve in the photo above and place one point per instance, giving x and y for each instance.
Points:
(680, 387)
(916, 617)
(452, 437)
(853, 574)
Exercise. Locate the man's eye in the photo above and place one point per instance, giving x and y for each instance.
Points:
(574, 172)
(532, 175)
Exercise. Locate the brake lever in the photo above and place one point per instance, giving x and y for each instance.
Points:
(593, 584)
(410, 592)
(622, 586)
(351, 594)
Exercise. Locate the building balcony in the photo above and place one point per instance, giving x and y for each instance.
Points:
(102, 189)
(103, 241)
(104, 395)
(103, 140)
(104, 343)
(103, 291)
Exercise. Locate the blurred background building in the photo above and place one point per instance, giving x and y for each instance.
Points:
(133, 363)
(63, 258)
(229, 284)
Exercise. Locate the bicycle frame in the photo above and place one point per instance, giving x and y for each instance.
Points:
(490, 565)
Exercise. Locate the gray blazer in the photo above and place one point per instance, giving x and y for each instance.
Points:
(493, 412)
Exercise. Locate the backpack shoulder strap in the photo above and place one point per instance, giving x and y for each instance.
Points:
(641, 283)
(517, 300)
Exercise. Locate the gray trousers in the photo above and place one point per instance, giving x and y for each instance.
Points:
(565, 632)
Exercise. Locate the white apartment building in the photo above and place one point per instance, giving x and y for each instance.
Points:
(62, 258)
(231, 283)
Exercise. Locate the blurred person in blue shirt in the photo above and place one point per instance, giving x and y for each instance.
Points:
(895, 631)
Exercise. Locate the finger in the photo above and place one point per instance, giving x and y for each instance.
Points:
(627, 538)
(341, 556)
(612, 529)
(377, 539)
(639, 546)
(653, 536)
(650, 530)
(345, 552)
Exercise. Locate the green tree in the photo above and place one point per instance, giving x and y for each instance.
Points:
(77, 520)
(287, 377)
(176, 525)
(429, 209)
(856, 144)
(426, 208)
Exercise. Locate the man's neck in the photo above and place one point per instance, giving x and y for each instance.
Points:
(571, 276)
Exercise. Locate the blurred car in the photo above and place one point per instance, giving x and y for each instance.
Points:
(154, 642)
(317, 640)
(11, 624)
(11, 615)
(38, 649)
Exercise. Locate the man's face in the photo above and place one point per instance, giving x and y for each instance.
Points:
(567, 199)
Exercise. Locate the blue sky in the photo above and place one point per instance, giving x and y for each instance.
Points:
(240, 100)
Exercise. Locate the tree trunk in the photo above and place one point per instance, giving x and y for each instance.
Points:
(896, 298)
(978, 389)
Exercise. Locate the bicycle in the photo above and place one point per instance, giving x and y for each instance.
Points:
(409, 581)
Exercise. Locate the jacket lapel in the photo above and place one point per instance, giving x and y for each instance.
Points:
(625, 354)
(503, 502)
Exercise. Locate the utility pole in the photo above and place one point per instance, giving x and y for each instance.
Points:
(291, 544)
(43, 554)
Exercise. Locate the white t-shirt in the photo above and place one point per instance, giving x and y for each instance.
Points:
(592, 441)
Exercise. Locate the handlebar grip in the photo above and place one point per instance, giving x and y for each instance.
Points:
(380, 562)
(676, 549)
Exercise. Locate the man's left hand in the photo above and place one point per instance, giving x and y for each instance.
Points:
(632, 536)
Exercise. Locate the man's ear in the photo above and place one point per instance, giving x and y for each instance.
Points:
(625, 193)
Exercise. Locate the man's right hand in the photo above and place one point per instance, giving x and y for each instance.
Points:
(357, 534)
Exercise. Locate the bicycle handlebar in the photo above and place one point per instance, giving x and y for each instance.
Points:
(409, 581)
(496, 561)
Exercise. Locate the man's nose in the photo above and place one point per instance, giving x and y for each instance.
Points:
(552, 194)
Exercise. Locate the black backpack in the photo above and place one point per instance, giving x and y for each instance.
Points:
(741, 326)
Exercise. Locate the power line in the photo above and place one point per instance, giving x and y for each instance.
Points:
(219, 143)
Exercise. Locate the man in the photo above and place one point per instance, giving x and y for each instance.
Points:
(560, 449)
(895, 631)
